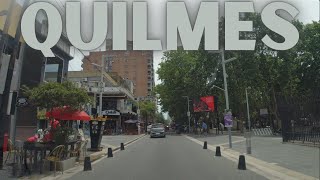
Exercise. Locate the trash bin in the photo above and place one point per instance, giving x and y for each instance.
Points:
(96, 132)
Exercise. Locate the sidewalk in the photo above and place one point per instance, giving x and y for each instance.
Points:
(272, 152)
(299, 158)
(106, 142)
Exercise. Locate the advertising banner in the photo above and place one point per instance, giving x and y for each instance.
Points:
(204, 104)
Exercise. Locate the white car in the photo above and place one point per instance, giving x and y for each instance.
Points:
(157, 130)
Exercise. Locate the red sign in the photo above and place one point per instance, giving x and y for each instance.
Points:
(204, 104)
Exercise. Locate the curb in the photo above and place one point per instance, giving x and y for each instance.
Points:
(97, 155)
(300, 143)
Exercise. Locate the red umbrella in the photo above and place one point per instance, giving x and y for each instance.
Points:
(68, 114)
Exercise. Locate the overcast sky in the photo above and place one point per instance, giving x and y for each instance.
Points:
(309, 10)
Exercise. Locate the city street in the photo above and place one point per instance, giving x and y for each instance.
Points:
(174, 157)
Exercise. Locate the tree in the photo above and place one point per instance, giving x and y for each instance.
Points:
(57, 95)
(160, 118)
(147, 110)
(268, 72)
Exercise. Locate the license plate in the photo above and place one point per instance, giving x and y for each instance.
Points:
(157, 133)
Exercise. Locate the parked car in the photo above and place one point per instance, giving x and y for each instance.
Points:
(157, 130)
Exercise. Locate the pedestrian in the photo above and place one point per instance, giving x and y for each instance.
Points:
(204, 127)
(217, 127)
(221, 127)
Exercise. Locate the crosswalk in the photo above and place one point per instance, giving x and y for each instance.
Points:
(262, 132)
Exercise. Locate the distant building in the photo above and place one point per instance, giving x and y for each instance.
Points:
(136, 66)
(118, 101)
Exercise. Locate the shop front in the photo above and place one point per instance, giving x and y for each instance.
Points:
(113, 122)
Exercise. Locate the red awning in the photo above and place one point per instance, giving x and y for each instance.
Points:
(67, 114)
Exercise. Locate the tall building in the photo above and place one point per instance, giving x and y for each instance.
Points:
(136, 66)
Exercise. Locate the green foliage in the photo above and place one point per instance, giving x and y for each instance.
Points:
(269, 73)
(147, 108)
(62, 134)
(55, 95)
(160, 119)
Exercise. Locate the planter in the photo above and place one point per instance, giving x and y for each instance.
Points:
(65, 164)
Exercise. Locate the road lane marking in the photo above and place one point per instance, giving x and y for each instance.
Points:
(258, 166)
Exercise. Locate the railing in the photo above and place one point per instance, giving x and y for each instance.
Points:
(300, 119)
(305, 135)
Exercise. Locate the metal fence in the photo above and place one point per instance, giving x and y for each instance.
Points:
(300, 119)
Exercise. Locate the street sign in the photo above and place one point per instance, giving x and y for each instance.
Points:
(228, 119)
(22, 102)
(263, 111)
(188, 113)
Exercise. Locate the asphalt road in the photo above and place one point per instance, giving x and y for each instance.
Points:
(171, 158)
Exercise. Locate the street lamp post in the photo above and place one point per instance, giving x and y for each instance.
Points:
(101, 86)
(188, 113)
(138, 114)
(248, 111)
(224, 62)
(248, 137)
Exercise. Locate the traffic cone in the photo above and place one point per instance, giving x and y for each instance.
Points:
(87, 164)
(218, 152)
(121, 146)
(242, 163)
(110, 154)
(205, 145)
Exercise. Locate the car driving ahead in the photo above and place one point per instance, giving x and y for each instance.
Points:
(157, 130)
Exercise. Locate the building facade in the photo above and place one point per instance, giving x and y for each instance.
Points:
(136, 66)
(118, 102)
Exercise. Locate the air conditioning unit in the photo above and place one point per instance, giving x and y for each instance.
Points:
(84, 79)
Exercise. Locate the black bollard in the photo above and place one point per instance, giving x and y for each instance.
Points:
(218, 152)
(87, 164)
(110, 152)
(14, 169)
(121, 146)
(205, 145)
(242, 163)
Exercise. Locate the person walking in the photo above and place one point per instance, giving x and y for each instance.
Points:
(221, 127)
(204, 128)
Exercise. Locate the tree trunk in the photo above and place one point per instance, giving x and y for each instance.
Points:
(275, 108)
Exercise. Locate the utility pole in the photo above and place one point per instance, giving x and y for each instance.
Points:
(4, 97)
